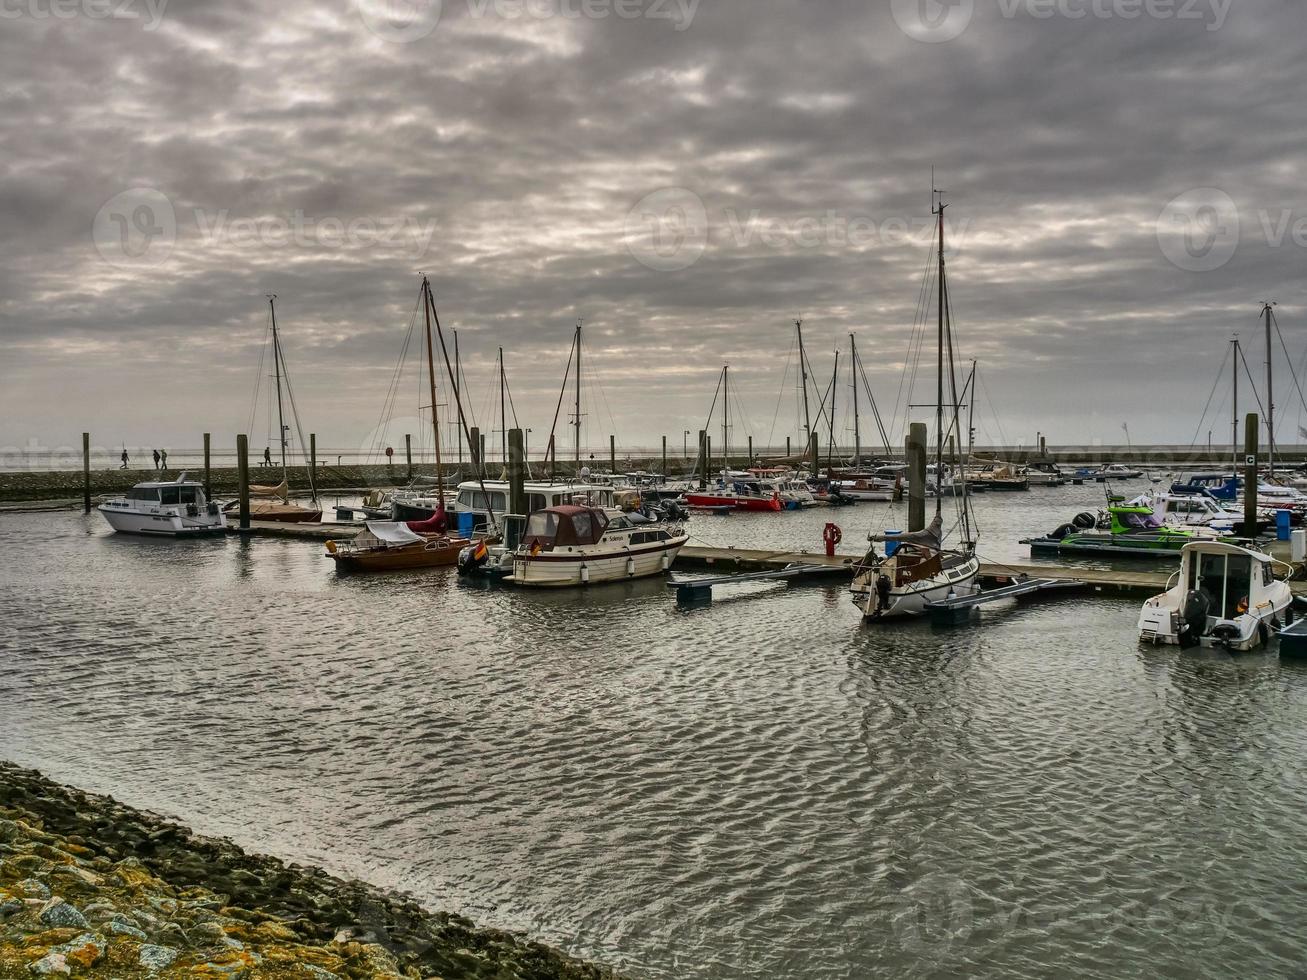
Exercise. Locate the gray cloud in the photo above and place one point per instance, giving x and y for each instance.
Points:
(521, 143)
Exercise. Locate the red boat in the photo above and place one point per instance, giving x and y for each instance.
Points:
(736, 499)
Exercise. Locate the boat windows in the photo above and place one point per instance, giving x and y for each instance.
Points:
(1226, 581)
(143, 493)
(542, 526)
(1139, 522)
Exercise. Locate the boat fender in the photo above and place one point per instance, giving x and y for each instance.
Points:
(331, 547)
(630, 566)
(585, 574)
(1263, 632)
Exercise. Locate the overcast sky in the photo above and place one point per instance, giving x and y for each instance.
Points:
(1124, 177)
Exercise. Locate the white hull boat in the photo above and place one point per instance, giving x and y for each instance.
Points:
(576, 546)
(177, 509)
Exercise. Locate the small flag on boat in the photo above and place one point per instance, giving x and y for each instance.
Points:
(535, 547)
(480, 551)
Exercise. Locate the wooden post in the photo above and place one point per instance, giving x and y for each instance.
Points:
(553, 459)
(1043, 447)
(707, 456)
(243, 479)
(517, 502)
(313, 459)
(700, 466)
(86, 471)
(408, 452)
(481, 453)
(787, 445)
(474, 448)
(750, 450)
(916, 455)
(664, 457)
(1250, 427)
(208, 477)
(612, 455)
(814, 451)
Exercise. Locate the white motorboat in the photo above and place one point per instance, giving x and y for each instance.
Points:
(176, 509)
(1117, 471)
(1189, 509)
(571, 546)
(1223, 596)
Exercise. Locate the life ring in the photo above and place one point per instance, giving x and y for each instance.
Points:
(832, 535)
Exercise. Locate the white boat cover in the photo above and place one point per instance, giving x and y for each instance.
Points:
(393, 533)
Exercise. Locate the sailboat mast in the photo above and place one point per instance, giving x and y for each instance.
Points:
(503, 418)
(726, 421)
(939, 396)
(458, 374)
(1234, 421)
(853, 373)
(803, 374)
(1270, 396)
(834, 387)
(276, 369)
(427, 303)
(578, 397)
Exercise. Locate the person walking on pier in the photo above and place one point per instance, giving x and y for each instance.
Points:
(156, 459)
(163, 459)
(124, 466)
(267, 455)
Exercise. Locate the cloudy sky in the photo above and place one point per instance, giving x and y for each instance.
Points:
(1125, 184)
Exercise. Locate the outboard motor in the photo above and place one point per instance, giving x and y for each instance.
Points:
(1085, 521)
(472, 558)
(1193, 617)
(1062, 532)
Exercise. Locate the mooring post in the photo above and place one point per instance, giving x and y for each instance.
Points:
(313, 458)
(408, 452)
(1250, 426)
(553, 459)
(208, 476)
(243, 479)
(916, 455)
(814, 450)
(612, 455)
(787, 445)
(664, 457)
(1043, 447)
(474, 448)
(707, 456)
(750, 450)
(86, 471)
(481, 453)
(517, 503)
(700, 466)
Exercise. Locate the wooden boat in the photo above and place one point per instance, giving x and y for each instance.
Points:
(571, 546)
(387, 546)
(278, 511)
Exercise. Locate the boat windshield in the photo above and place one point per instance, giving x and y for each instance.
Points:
(1225, 580)
(1138, 522)
(143, 493)
(542, 525)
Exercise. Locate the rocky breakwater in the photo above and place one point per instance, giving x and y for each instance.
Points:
(90, 887)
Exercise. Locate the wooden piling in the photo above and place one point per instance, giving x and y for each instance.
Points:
(787, 445)
(1250, 427)
(243, 479)
(86, 471)
(700, 466)
(664, 457)
(612, 455)
(474, 447)
(916, 455)
(517, 503)
(750, 450)
(208, 477)
(814, 453)
(408, 452)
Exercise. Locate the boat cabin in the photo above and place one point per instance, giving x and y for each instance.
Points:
(1231, 579)
(1222, 486)
(562, 527)
(1133, 520)
(473, 499)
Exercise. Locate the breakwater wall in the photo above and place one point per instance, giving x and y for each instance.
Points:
(90, 887)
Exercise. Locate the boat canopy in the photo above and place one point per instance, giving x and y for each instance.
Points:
(562, 526)
(932, 537)
(392, 533)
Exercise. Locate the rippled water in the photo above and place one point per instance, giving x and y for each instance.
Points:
(764, 788)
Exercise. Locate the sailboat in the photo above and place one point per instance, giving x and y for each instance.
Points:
(273, 503)
(391, 546)
(742, 491)
(921, 569)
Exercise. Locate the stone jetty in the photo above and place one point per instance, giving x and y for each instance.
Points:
(90, 887)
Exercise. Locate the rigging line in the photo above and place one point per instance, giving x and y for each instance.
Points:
(993, 411)
(392, 390)
(1220, 376)
(553, 427)
(589, 371)
(875, 410)
(916, 338)
(780, 395)
(1252, 385)
(258, 377)
(1275, 321)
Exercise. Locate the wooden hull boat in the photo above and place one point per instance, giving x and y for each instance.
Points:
(390, 547)
(277, 512)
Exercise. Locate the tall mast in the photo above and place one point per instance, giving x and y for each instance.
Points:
(1270, 396)
(578, 397)
(726, 421)
(428, 301)
(503, 419)
(1234, 422)
(853, 373)
(939, 396)
(834, 386)
(807, 416)
(276, 368)
(458, 374)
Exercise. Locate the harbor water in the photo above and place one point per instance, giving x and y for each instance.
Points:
(764, 787)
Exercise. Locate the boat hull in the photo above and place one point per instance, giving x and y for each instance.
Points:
(164, 525)
(274, 511)
(579, 567)
(437, 553)
(912, 599)
(760, 504)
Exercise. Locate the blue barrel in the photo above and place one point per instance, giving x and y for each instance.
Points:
(466, 522)
(891, 546)
(1282, 518)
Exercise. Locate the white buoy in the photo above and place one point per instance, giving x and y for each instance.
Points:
(630, 566)
(585, 574)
